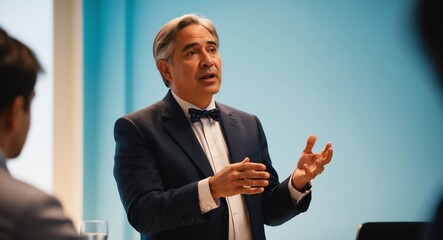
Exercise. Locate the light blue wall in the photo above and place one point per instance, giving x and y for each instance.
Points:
(350, 71)
(104, 101)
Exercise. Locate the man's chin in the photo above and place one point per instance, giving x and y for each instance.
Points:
(213, 88)
(214, 91)
(14, 154)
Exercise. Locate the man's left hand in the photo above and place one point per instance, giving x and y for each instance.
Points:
(311, 164)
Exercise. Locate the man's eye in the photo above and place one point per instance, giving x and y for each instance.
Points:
(213, 50)
(193, 52)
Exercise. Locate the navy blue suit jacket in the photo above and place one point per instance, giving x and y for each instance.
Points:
(159, 161)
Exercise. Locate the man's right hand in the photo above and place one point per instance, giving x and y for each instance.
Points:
(239, 178)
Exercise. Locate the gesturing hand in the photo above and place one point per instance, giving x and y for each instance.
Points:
(311, 164)
(239, 178)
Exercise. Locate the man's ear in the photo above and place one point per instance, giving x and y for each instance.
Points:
(163, 67)
(13, 113)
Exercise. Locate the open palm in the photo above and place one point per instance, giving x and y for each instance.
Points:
(311, 164)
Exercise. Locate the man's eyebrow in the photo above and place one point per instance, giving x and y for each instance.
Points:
(211, 43)
(191, 45)
(188, 46)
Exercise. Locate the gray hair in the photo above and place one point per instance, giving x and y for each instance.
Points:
(163, 46)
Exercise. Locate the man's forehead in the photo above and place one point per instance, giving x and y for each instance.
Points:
(194, 34)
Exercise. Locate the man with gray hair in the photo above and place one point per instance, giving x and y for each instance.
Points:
(188, 167)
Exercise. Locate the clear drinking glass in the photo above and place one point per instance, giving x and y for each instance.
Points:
(94, 229)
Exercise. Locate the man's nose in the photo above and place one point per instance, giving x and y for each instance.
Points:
(206, 60)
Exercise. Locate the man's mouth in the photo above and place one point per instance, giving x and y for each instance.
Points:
(208, 76)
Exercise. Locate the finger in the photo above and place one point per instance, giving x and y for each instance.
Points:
(254, 183)
(246, 160)
(251, 190)
(325, 150)
(259, 175)
(319, 167)
(328, 157)
(309, 172)
(245, 166)
(310, 144)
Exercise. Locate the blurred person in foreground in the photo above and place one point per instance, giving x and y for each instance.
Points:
(26, 213)
(188, 167)
(430, 25)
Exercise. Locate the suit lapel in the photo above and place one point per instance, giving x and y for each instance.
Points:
(233, 137)
(231, 132)
(178, 128)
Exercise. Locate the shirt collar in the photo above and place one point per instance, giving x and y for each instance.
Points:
(186, 105)
(3, 160)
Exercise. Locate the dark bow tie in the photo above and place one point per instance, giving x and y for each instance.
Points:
(197, 114)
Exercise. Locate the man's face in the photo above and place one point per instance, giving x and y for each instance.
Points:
(23, 121)
(195, 71)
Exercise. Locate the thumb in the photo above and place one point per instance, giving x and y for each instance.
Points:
(310, 144)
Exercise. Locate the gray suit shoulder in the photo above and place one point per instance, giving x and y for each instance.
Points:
(29, 213)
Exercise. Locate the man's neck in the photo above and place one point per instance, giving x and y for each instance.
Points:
(202, 104)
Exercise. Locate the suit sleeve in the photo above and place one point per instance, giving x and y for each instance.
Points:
(278, 205)
(149, 206)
